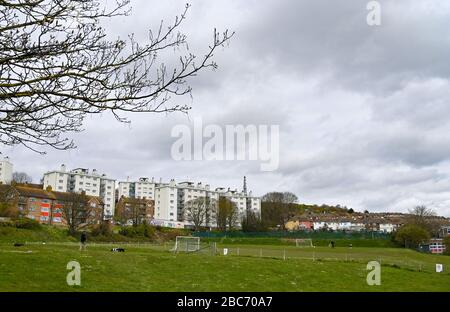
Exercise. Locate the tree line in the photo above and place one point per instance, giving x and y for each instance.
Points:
(421, 225)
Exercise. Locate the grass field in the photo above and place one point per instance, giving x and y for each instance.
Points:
(247, 267)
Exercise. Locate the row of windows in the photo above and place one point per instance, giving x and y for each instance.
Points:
(45, 218)
(87, 178)
(87, 184)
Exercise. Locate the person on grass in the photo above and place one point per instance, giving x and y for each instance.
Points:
(83, 240)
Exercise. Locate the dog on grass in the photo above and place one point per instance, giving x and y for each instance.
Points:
(118, 250)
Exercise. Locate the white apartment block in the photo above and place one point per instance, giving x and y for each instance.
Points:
(166, 203)
(6, 171)
(143, 188)
(171, 199)
(255, 204)
(81, 179)
(188, 191)
(107, 193)
(57, 180)
(242, 200)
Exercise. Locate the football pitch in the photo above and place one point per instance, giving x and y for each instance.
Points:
(151, 267)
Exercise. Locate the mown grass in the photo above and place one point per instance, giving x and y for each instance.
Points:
(40, 267)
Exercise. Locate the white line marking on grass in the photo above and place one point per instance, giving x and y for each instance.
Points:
(18, 251)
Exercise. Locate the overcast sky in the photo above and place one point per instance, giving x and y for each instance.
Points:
(363, 111)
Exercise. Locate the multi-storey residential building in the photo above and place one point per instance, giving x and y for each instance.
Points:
(80, 179)
(107, 193)
(134, 211)
(144, 188)
(188, 191)
(255, 204)
(6, 171)
(58, 180)
(171, 200)
(244, 202)
(166, 202)
(46, 206)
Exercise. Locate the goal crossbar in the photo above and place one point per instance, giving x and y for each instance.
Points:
(186, 244)
(303, 242)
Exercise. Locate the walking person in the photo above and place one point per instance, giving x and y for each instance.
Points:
(83, 240)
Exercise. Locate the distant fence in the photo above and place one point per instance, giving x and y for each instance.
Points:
(297, 234)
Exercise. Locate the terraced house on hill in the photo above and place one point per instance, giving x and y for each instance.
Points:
(47, 206)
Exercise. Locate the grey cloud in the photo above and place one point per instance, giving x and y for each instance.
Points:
(363, 111)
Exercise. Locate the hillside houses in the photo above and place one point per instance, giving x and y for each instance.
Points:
(354, 223)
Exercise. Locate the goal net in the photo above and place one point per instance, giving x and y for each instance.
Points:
(186, 244)
(303, 242)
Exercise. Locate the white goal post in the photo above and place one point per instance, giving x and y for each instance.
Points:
(186, 244)
(303, 242)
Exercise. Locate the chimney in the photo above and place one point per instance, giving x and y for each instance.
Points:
(63, 168)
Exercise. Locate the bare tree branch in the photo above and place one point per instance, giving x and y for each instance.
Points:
(57, 67)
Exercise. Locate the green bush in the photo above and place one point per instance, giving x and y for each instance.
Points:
(142, 230)
(447, 245)
(26, 223)
(411, 235)
(104, 229)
